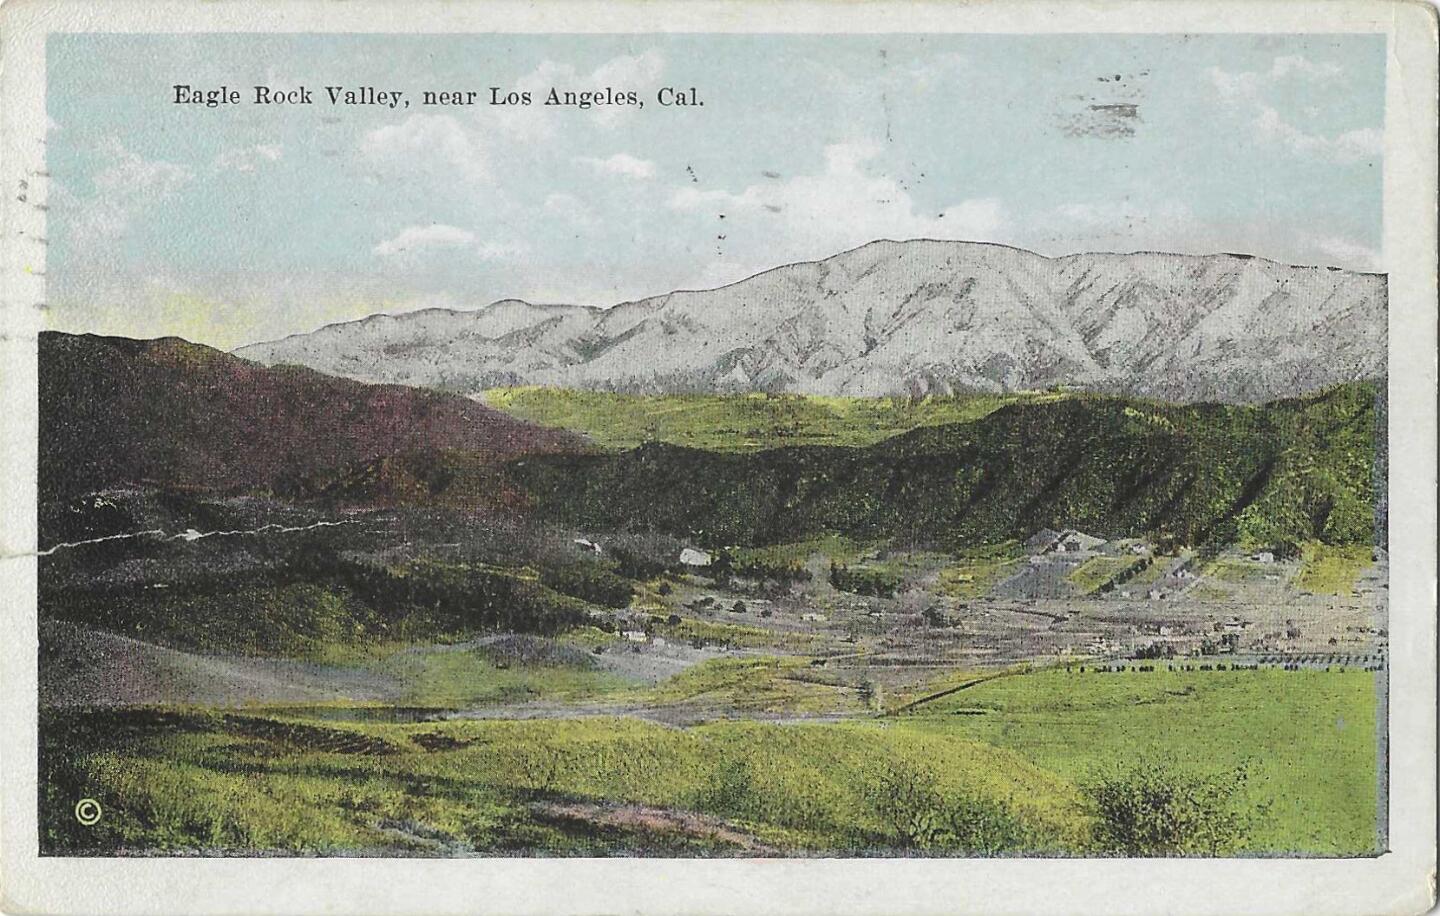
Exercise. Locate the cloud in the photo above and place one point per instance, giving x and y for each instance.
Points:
(125, 187)
(248, 158)
(1299, 65)
(132, 176)
(425, 140)
(620, 164)
(1248, 91)
(840, 207)
(413, 241)
(1350, 146)
(639, 72)
(420, 238)
(1348, 253)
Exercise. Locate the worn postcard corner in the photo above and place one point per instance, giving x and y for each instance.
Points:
(718, 458)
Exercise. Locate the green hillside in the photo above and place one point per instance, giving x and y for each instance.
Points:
(741, 422)
(1281, 474)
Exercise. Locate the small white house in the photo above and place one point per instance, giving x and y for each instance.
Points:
(1264, 556)
(692, 557)
(813, 617)
(635, 636)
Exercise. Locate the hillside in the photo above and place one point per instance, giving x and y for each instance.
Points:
(117, 412)
(904, 318)
(1284, 473)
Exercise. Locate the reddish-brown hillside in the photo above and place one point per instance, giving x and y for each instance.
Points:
(116, 411)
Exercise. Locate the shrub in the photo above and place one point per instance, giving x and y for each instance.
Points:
(923, 817)
(1151, 809)
(877, 583)
(589, 582)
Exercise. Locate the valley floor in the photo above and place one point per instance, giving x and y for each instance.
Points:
(828, 697)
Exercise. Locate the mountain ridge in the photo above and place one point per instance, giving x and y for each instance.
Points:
(118, 412)
(911, 317)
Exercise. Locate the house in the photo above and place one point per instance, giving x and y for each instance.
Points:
(587, 545)
(692, 557)
(1139, 549)
(1155, 594)
(1072, 541)
(813, 617)
(1263, 556)
(1235, 625)
(1185, 573)
(1043, 540)
(635, 636)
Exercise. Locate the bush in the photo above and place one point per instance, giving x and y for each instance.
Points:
(922, 817)
(589, 582)
(877, 583)
(1151, 809)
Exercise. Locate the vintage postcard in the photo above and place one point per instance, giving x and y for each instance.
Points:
(719, 458)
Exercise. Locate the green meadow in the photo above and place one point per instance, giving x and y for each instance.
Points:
(741, 422)
(1004, 767)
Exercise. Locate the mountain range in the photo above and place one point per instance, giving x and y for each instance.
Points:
(913, 317)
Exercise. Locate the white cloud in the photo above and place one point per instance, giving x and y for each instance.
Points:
(437, 141)
(1247, 90)
(130, 175)
(246, 159)
(620, 164)
(127, 186)
(640, 73)
(420, 238)
(1301, 66)
(1351, 146)
(415, 240)
(501, 251)
(843, 206)
(1349, 253)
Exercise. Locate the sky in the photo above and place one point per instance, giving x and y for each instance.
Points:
(240, 223)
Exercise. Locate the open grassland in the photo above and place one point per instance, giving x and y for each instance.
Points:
(1308, 738)
(740, 422)
(205, 781)
(1332, 570)
(1096, 571)
(973, 578)
(1000, 767)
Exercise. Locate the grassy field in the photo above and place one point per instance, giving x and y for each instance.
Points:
(1332, 570)
(1096, 571)
(1309, 737)
(1002, 764)
(740, 422)
(198, 781)
(974, 577)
